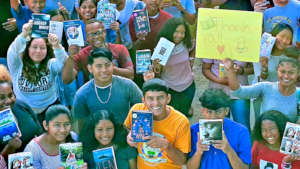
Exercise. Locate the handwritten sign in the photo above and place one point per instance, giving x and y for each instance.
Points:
(229, 34)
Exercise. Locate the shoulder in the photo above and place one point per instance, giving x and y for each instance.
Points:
(138, 106)
(85, 52)
(33, 146)
(235, 128)
(115, 47)
(122, 81)
(85, 89)
(178, 116)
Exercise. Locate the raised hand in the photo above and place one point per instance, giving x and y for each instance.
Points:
(115, 26)
(54, 40)
(26, 30)
(10, 25)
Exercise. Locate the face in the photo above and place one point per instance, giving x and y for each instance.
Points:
(37, 50)
(156, 102)
(152, 6)
(58, 18)
(7, 97)
(59, 127)
(104, 132)
(88, 10)
(281, 2)
(179, 34)
(287, 74)
(102, 69)
(35, 6)
(215, 114)
(120, 4)
(95, 35)
(270, 132)
(283, 39)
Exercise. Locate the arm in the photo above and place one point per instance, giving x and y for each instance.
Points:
(127, 72)
(15, 5)
(195, 161)
(189, 17)
(125, 67)
(69, 73)
(206, 70)
(80, 111)
(233, 82)
(132, 163)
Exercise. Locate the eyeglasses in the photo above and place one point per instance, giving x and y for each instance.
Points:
(98, 33)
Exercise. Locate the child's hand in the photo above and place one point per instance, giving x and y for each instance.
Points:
(26, 30)
(115, 26)
(54, 40)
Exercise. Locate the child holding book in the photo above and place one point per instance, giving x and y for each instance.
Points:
(178, 70)
(101, 131)
(45, 148)
(267, 136)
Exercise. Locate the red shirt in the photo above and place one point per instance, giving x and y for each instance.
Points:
(119, 52)
(261, 151)
(155, 26)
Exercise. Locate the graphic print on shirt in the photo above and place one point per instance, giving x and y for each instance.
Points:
(42, 85)
(152, 156)
(267, 165)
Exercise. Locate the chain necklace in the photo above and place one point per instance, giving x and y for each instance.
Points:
(109, 94)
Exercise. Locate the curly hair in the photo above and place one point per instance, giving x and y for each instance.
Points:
(4, 75)
(277, 117)
(30, 71)
(167, 31)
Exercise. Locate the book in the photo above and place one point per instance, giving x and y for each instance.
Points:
(74, 32)
(290, 143)
(106, 13)
(267, 165)
(142, 125)
(40, 27)
(210, 130)
(266, 45)
(143, 61)
(141, 21)
(71, 155)
(267, 3)
(23, 160)
(8, 126)
(163, 50)
(56, 28)
(105, 158)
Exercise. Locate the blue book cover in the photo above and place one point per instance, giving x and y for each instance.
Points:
(40, 27)
(106, 13)
(8, 126)
(142, 125)
(22, 160)
(105, 158)
(71, 155)
(74, 32)
(163, 51)
(141, 21)
(143, 61)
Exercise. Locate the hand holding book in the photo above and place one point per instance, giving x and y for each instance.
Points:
(54, 41)
(26, 30)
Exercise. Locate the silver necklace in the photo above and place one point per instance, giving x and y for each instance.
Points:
(109, 94)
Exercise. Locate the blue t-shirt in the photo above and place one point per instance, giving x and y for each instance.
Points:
(288, 14)
(124, 94)
(22, 17)
(68, 4)
(238, 138)
(186, 4)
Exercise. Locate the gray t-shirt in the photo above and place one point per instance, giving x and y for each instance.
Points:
(124, 94)
(272, 99)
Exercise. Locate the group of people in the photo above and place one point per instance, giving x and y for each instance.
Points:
(60, 93)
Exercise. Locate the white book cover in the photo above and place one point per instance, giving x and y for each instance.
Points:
(57, 28)
(22, 160)
(290, 143)
(210, 130)
(163, 50)
(267, 44)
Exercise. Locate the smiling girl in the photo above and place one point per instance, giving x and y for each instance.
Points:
(101, 131)
(267, 135)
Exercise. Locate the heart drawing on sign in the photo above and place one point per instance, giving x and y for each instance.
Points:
(220, 49)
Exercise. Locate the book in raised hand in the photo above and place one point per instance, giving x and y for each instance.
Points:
(105, 158)
(23, 160)
(141, 21)
(56, 28)
(143, 61)
(267, 44)
(40, 27)
(163, 51)
(290, 143)
(142, 125)
(74, 32)
(106, 13)
(71, 155)
(210, 130)
(8, 126)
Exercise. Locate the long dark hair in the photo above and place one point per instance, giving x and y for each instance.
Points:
(170, 27)
(87, 134)
(277, 117)
(32, 73)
